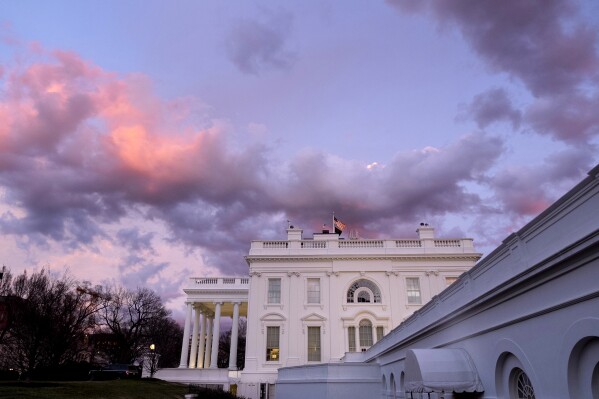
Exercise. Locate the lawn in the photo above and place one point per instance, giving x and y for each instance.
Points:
(116, 389)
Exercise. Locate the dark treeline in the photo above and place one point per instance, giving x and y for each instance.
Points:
(49, 325)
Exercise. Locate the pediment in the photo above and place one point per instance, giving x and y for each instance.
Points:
(273, 317)
(314, 317)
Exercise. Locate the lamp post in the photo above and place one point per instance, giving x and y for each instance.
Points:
(153, 358)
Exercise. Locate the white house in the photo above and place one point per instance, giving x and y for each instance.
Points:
(312, 300)
(334, 318)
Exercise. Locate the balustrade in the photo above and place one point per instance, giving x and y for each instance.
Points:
(361, 244)
(313, 244)
(448, 243)
(408, 243)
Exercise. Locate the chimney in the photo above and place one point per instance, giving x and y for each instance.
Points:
(294, 234)
(425, 232)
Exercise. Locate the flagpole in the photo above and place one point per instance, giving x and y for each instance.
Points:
(333, 225)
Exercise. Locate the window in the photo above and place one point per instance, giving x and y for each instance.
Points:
(272, 344)
(314, 344)
(364, 291)
(274, 290)
(379, 333)
(450, 280)
(267, 391)
(313, 290)
(520, 385)
(365, 334)
(351, 338)
(413, 288)
(364, 296)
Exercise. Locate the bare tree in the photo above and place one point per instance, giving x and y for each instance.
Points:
(48, 321)
(5, 298)
(128, 317)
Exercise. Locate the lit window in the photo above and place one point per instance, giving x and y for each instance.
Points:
(314, 344)
(413, 289)
(360, 286)
(365, 334)
(450, 280)
(272, 344)
(351, 338)
(313, 290)
(274, 290)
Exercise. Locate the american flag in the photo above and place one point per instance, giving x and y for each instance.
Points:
(339, 225)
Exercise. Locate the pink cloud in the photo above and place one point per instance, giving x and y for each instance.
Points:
(83, 148)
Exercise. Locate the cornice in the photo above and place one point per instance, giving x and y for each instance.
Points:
(218, 291)
(327, 258)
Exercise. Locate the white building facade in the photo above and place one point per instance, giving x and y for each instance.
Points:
(313, 300)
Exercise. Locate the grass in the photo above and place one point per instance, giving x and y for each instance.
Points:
(116, 389)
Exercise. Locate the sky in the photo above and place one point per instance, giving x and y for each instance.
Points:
(144, 142)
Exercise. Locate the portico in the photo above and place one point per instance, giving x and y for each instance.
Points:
(209, 300)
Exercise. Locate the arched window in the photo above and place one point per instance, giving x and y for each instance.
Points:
(363, 296)
(520, 385)
(365, 334)
(364, 291)
(384, 385)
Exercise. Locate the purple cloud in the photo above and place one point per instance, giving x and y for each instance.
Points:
(254, 46)
(494, 106)
(547, 46)
(573, 118)
(125, 158)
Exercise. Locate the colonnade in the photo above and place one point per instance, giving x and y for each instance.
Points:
(205, 336)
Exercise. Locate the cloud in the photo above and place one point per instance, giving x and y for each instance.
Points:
(124, 171)
(121, 156)
(528, 190)
(546, 46)
(572, 118)
(255, 46)
(136, 241)
(494, 106)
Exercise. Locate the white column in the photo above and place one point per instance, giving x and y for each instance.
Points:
(357, 337)
(194, 337)
(215, 337)
(208, 343)
(234, 334)
(185, 344)
(374, 339)
(200, 363)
